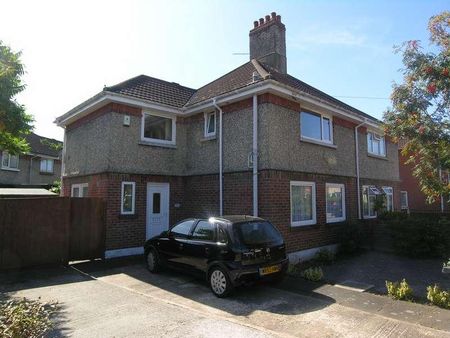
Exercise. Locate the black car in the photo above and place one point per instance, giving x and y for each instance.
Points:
(229, 251)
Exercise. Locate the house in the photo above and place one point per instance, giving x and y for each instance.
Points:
(412, 199)
(255, 141)
(38, 168)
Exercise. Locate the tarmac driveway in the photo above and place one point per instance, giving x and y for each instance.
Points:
(121, 299)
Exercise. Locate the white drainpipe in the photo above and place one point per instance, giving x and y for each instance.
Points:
(255, 155)
(220, 159)
(357, 167)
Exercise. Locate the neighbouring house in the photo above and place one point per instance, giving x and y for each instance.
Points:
(255, 141)
(412, 199)
(38, 168)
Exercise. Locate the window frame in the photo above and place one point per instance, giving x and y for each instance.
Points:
(80, 187)
(313, 202)
(46, 160)
(391, 194)
(155, 140)
(404, 192)
(371, 135)
(8, 167)
(206, 124)
(368, 216)
(322, 117)
(133, 196)
(344, 214)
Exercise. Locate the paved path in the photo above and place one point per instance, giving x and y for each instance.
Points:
(124, 300)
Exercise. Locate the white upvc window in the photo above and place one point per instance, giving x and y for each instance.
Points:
(79, 190)
(10, 162)
(303, 203)
(404, 200)
(388, 198)
(369, 196)
(376, 144)
(316, 127)
(158, 128)
(210, 124)
(128, 197)
(47, 165)
(335, 202)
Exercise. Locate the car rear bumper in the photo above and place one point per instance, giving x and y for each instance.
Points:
(240, 274)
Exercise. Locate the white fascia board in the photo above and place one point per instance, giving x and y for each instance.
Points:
(105, 97)
(44, 156)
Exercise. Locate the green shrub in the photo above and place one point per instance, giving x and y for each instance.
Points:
(325, 256)
(392, 216)
(421, 236)
(438, 297)
(350, 239)
(401, 291)
(313, 274)
(25, 318)
(293, 270)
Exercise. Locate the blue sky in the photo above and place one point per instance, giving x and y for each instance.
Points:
(71, 49)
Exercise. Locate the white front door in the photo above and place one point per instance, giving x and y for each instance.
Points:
(157, 208)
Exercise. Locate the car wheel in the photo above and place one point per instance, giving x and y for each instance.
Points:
(152, 260)
(220, 282)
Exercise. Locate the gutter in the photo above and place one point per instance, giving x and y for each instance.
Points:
(220, 158)
(358, 194)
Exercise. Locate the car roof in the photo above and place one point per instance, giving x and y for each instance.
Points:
(233, 219)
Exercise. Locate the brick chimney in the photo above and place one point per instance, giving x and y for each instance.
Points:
(268, 42)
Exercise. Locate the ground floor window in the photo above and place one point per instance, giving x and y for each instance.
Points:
(388, 198)
(335, 202)
(79, 190)
(303, 203)
(128, 198)
(404, 200)
(369, 198)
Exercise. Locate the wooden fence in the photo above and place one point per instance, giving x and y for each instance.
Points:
(41, 231)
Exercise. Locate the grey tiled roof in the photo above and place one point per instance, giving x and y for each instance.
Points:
(155, 90)
(173, 94)
(237, 78)
(40, 145)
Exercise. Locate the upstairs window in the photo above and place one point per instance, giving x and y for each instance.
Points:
(210, 124)
(10, 162)
(376, 144)
(47, 166)
(316, 127)
(157, 128)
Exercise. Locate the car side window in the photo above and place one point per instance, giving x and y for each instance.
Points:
(182, 230)
(221, 235)
(204, 231)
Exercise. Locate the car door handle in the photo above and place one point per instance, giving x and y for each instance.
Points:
(207, 251)
(181, 246)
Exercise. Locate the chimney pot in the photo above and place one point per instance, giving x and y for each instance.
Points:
(261, 21)
(255, 24)
(279, 18)
(267, 18)
(274, 15)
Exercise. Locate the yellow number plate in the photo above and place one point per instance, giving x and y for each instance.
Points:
(270, 269)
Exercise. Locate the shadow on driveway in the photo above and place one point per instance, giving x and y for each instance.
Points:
(131, 273)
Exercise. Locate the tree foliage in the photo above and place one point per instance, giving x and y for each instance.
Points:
(420, 113)
(14, 121)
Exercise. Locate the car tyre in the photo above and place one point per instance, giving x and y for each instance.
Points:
(152, 260)
(220, 282)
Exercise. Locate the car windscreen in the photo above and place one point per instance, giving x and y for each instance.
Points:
(258, 233)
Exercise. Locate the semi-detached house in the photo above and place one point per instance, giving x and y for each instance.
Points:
(255, 141)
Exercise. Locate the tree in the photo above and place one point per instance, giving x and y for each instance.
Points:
(15, 123)
(420, 113)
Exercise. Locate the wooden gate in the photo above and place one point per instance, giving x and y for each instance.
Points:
(38, 231)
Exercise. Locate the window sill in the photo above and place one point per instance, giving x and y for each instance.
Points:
(45, 173)
(334, 221)
(10, 169)
(309, 224)
(128, 216)
(319, 143)
(369, 217)
(208, 138)
(156, 144)
(380, 157)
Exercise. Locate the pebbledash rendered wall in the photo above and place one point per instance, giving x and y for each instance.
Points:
(105, 159)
